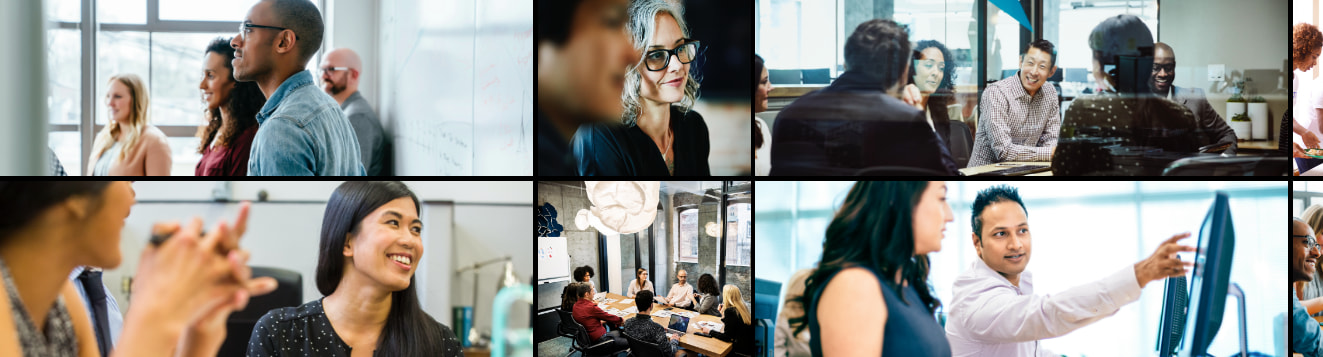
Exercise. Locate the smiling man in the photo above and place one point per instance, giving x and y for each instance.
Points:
(1021, 117)
(1164, 73)
(995, 312)
(1304, 257)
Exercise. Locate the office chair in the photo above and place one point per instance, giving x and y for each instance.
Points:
(962, 143)
(579, 339)
(564, 329)
(816, 76)
(784, 76)
(239, 326)
(640, 348)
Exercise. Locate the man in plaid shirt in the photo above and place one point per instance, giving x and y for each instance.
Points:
(1021, 118)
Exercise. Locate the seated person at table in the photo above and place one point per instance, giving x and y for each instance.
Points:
(642, 328)
(856, 123)
(681, 293)
(1164, 73)
(735, 315)
(1124, 111)
(584, 274)
(587, 313)
(709, 299)
(640, 283)
(1021, 117)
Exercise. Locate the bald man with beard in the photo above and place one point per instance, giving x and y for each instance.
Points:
(1164, 74)
(340, 74)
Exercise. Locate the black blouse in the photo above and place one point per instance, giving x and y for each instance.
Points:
(305, 331)
(614, 150)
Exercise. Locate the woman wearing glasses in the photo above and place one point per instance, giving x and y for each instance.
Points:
(661, 135)
(933, 75)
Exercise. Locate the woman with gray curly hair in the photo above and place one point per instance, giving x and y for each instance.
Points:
(661, 134)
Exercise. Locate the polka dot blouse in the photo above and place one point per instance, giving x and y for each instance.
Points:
(305, 331)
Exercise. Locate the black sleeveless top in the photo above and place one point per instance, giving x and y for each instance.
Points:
(911, 329)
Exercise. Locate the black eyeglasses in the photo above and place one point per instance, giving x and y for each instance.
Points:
(657, 60)
(1170, 67)
(246, 28)
(1309, 241)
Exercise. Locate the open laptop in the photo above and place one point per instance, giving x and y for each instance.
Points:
(678, 324)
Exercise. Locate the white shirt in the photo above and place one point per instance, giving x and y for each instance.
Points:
(991, 317)
(680, 295)
(1308, 99)
(763, 164)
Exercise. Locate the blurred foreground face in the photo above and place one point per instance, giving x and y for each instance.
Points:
(587, 73)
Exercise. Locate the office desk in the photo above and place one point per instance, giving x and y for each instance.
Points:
(970, 171)
(705, 345)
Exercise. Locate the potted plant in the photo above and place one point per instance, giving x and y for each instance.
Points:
(1240, 123)
(1258, 113)
(1236, 104)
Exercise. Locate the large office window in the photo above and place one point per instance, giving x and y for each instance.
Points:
(161, 41)
(1082, 232)
(687, 235)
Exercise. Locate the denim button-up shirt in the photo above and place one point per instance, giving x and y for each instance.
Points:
(303, 132)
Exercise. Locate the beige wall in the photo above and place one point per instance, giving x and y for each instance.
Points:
(1246, 36)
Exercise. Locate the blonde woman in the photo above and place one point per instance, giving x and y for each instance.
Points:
(128, 145)
(662, 135)
(735, 315)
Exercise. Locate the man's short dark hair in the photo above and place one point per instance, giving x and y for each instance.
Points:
(302, 17)
(988, 196)
(1046, 47)
(880, 49)
(643, 300)
(554, 19)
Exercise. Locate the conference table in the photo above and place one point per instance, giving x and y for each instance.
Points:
(705, 345)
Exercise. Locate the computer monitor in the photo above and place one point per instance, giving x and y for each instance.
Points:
(1175, 299)
(1212, 272)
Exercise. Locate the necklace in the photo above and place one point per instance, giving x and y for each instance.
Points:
(670, 160)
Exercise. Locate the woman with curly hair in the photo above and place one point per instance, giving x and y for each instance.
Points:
(231, 114)
(934, 75)
(1306, 43)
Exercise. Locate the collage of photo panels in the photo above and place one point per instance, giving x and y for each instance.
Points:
(931, 88)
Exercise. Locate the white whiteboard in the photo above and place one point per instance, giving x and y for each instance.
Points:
(553, 259)
(458, 86)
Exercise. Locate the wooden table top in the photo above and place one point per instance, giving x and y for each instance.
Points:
(705, 345)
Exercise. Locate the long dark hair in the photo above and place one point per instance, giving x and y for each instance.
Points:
(26, 200)
(873, 229)
(409, 331)
(708, 285)
(246, 99)
(572, 294)
(945, 93)
(757, 81)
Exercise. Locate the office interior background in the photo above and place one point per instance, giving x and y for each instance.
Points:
(1082, 232)
(464, 223)
(803, 40)
(450, 80)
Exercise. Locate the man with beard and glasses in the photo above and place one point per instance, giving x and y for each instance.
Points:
(995, 311)
(1304, 257)
(340, 75)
